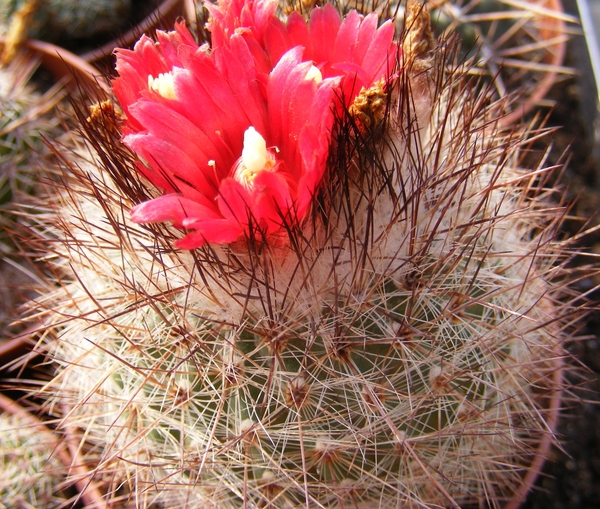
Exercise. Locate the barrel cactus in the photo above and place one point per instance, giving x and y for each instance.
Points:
(24, 122)
(31, 474)
(304, 267)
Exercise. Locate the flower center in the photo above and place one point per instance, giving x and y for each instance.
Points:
(314, 74)
(255, 158)
(163, 84)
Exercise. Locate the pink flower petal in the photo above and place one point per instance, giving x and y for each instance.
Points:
(208, 118)
(229, 15)
(381, 58)
(167, 124)
(276, 40)
(345, 41)
(159, 179)
(272, 199)
(365, 35)
(170, 207)
(324, 25)
(145, 58)
(180, 165)
(218, 231)
(275, 93)
(242, 77)
(210, 85)
(234, 202)
(298, 32)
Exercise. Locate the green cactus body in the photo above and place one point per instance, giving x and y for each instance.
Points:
(401, 349)
(31, 476)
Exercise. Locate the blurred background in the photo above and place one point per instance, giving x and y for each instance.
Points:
(571, 477)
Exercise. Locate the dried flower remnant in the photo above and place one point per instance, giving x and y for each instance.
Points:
(236, 135)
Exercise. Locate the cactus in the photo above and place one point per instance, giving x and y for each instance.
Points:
(397, 343)
(23, 125)
(31, 476)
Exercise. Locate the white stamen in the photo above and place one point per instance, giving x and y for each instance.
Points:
(314, 74)
(254, 154)
(255, 158)
(163, 84)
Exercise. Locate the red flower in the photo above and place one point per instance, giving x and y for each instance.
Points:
(353, 48)
(237, 136)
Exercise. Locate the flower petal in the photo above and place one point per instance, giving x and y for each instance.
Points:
(298, 32)
(170, 43)
(365, 35)
(168, 159)
(272, 199)
(162, 121)
(382, 54)
(229, 15)
(234, 202)
(277, 104)
(212, 86)
(345, 41)
(276, 40)
(242, 78)
(313, 144)
(324, 25)
(207, 117)
(218, 231)
(171, 207)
